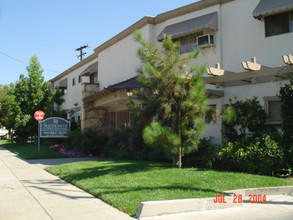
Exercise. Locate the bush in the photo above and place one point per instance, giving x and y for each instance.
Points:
(205, 156)
(127, 143)
(286, 96)
(244, 119)
(88, 141)
(262, 156)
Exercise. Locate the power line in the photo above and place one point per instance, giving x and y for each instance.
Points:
(17, 60)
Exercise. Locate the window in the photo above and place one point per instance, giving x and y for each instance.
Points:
(211, 115)
(79, 79)
(73, 81)
(94, 77)
(279, 24)
(187, 43)
(273, 109)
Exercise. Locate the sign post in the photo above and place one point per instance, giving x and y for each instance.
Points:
(39, 116)
(53, 127)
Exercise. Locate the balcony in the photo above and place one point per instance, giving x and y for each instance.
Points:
(89, 89)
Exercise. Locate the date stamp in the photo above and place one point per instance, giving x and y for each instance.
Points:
(238, 198)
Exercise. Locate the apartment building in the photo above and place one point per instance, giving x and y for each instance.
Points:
(246, 45)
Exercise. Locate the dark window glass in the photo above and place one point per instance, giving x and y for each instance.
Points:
(277, 24)
(187, 43)
(93, 78)
(274, 110)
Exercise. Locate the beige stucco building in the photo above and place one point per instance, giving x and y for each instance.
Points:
(249, 40)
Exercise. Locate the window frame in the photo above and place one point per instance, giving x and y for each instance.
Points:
(190, 47)
(268, 22)
(267, 101)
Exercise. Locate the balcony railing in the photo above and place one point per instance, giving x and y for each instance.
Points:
(89, 89)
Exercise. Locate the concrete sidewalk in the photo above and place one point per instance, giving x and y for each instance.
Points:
(27, 192)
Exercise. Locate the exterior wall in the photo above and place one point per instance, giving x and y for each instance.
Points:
(73, 95)
(243, 37)
(120, 62)
(209, 56)
(239, 38)
(259, 90)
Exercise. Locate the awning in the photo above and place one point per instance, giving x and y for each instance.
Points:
(208, 21)
(268, 7)
(63, 84)
(93, 68)
(131, 83)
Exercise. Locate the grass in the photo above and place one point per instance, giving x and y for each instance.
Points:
(124, 184)
(30, 151)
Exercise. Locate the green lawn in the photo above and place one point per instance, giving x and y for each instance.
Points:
(30, 151)
(124, 184)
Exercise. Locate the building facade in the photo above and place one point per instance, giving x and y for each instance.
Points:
(246, 46)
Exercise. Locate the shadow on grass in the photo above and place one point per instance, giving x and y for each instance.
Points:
(111, 167)
(117, 168)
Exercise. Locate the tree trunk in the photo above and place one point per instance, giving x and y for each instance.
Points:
(177, 162)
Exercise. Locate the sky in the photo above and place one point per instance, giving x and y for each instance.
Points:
(53, 29)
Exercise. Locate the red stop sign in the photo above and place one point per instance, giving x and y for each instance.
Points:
(39, 115)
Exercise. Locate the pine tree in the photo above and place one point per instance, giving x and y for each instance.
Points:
(173, 99)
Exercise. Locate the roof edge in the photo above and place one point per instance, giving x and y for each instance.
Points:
(141, 23)
(74, 67)
(188, 9)
(128, 31)
(159, 19)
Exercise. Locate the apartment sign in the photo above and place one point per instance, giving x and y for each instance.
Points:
(54, 127)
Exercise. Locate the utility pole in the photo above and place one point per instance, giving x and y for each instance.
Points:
(80, 50)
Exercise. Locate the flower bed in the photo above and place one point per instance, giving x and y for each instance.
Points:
(69, 153)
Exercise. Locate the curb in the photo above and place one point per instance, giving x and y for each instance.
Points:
(282, 190)
(165, 207)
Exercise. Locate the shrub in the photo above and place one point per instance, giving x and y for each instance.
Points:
(205, 156)
(127, 143)
(244, 119)
(89, 141)
(286, 96)
(263, 156)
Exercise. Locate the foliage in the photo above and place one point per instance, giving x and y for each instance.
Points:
(157, 135)
(127, 143)
(28, 95)
(243, 119)
(263, 155)
(286, 96)
(88, 141)
(173, 96)
(124, 184)
(205, 156)
(4, 103)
